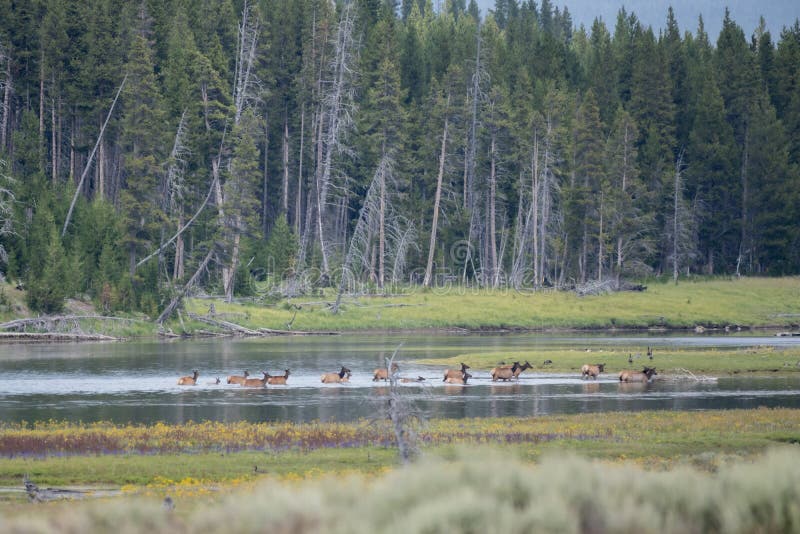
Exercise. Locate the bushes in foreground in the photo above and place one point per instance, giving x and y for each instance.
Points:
(474, 493)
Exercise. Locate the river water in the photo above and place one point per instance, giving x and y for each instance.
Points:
(136, 381)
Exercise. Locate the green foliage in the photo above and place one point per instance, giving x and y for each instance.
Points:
(540, 89)
(48, 288)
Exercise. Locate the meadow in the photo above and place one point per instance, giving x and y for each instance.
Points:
(711, 303)
(58, 453)
(721, 471)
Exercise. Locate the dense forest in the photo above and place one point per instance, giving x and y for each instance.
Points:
(153, 147)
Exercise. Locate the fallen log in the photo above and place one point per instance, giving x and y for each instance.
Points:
(54, 336)
(226, 325)
(271, 332)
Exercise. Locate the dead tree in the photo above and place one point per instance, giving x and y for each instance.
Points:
(334, 120)
(358, 250)
(7, 87)
(437, 198)
(91, 158)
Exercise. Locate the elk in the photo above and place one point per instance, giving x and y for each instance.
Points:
(278, 380)
(459, 380)
(645, 375)
(189, 380)
(592, 370)
(410, 380)
(383, 373)
(455, 373)
(238, 379)
(505, 372)
(336, 378)
(256, 382)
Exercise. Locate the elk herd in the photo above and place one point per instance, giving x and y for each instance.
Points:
(460, 376)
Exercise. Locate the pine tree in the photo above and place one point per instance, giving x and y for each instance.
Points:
(144, 122)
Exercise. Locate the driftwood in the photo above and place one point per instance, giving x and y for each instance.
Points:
(53, 336)
(685, 374)
(226, 325)
(238, 329)
(46, 321)
(271, 332)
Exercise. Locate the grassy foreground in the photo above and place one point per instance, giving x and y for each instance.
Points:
(474, 491)
(748, 302)
(219, 453)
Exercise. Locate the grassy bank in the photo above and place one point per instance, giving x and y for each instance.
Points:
(748, 302)
(69, 454)
(711, 303)
(668, 361)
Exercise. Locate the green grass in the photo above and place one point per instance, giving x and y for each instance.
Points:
(715, 362)
(713, 303)
(662, 439)
(141, 470)
(473, 490)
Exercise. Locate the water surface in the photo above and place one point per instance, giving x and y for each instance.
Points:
(136, 381)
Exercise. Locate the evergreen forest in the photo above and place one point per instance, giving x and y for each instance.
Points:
(152, 148)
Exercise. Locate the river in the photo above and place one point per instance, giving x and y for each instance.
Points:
(136, 381)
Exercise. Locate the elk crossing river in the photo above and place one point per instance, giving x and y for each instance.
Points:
(136, 381)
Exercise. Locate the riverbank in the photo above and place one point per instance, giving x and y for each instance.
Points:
(702, 305)
(669, 362)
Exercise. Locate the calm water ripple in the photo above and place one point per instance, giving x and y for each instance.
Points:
(136, 381)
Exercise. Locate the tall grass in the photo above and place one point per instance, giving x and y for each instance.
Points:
(477, 492)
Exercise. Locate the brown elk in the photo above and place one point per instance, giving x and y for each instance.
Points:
(238, 379)
(383, 373)
(278, 380)
(256, 382)
(645, 375)
(335, 378)
(521, 368)
(189, 380)
(459, 380)
(592, 370)
(455, 373)
(505, 372)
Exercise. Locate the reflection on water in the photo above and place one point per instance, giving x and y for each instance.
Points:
(136, 382)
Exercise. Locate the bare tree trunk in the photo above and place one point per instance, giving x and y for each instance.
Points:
(744, 245)
(676, 215)
(42, 144)
(101, 175)
(382, 228)
(298, 201)
(192, 281)
(437, 200)
(178, 267)
(535, 206)
(286, 165)
(7, 89)
(264, 188)
(230, 275)
(91, 156)
(492, 212)
(600, 243)
(72, 133)
(53, 143)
